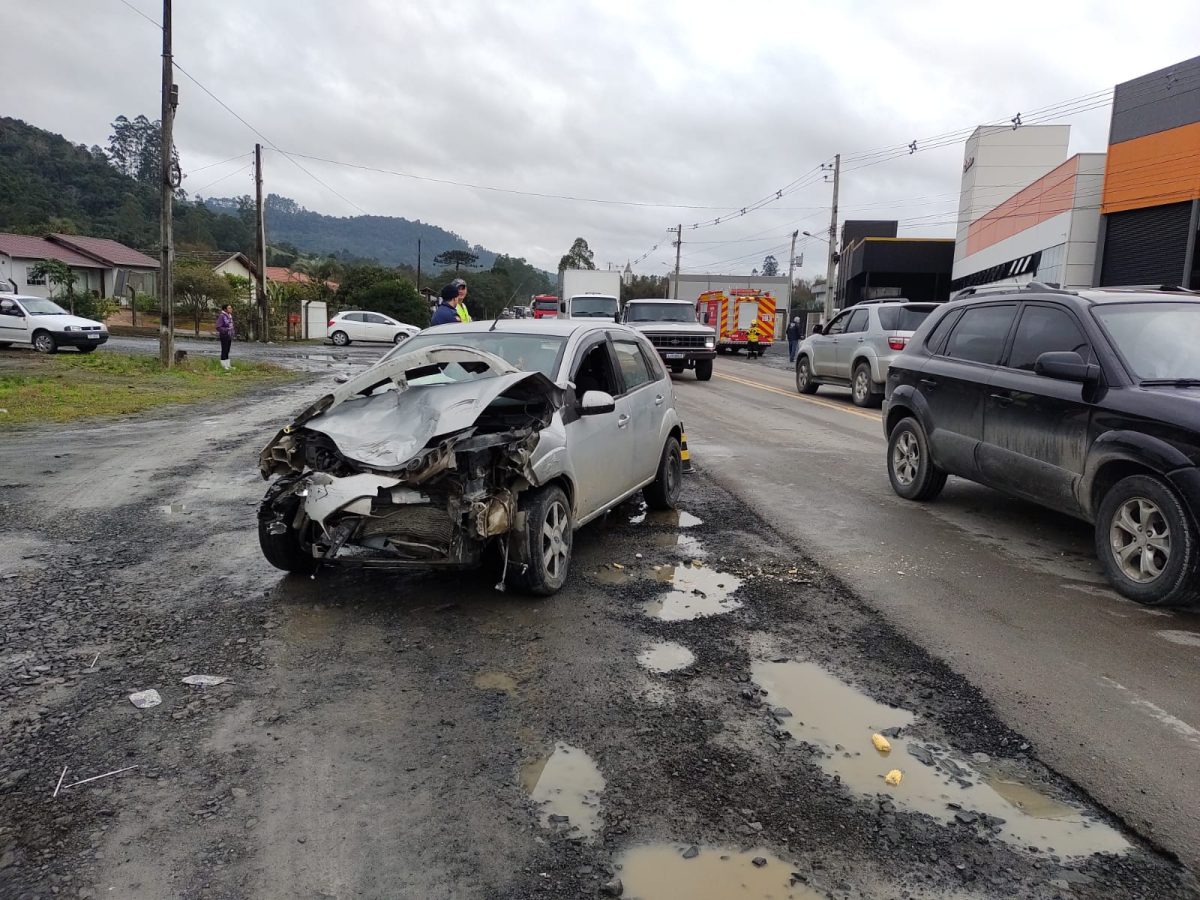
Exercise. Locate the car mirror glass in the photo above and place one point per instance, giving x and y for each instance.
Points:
(597, 403)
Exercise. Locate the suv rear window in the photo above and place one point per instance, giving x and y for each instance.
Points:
(980, 334)
(903, 318)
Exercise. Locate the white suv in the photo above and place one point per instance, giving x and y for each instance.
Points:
(46, 326)
(368, 326)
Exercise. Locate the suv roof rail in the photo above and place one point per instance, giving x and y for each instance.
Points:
(1034, 286)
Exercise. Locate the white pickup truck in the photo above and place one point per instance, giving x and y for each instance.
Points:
(681, 341)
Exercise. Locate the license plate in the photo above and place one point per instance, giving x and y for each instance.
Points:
(673, 355)
(93, 337)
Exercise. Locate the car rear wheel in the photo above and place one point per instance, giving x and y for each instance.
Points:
(542, 549)
(704, 369)
(663, 492)
(862, 391)
(5, 344)
(43, 342)
(340, 339)
(910, 468)
(804, 377)
(1146, 543)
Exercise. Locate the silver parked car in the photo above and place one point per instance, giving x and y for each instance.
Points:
(508, 435)
(857, 347)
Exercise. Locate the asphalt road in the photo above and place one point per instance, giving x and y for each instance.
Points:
(1009, 594)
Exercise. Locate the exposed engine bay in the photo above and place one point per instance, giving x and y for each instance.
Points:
(420, 460)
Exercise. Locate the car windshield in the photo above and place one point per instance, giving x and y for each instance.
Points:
(659, 312)
(1157, 340)
(546, 304)
(593, 307)
(36, 306)
(527, 352)
(903, 318)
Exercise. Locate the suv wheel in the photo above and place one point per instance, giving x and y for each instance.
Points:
(1147, 544)
(663, 492)
(542, 549)
(704, 369)
(910, 468)
(804, 377)
(862, 392)
(340, 339)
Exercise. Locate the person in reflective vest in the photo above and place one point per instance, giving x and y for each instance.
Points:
(463, 314)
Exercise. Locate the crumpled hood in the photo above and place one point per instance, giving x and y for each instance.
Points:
(386, 429)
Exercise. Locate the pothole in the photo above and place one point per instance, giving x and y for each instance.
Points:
(674, 518)
(661, 872)
(665, 656)
(684, 544)
(496, 681)
(697, 591)
(612, 575)
(819, 709)
(567, 785)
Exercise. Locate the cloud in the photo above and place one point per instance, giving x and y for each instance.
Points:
(692, 103)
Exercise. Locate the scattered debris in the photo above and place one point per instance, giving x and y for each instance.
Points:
(893, 777)
(204, 680)
(145, 699)
(691, 852)
(60, 781)
(882, 744)
(94, 661)
(98, 777)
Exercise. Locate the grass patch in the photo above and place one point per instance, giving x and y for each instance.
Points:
(66, 387)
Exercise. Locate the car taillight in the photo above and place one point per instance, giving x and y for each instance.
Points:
(897, 343)
(332, 322)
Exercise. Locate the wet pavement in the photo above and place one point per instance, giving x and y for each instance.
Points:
(699, 685)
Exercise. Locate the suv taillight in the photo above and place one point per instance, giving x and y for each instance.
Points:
(897, 343)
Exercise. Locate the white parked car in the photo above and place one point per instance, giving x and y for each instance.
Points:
(350, 326)
(46, 326)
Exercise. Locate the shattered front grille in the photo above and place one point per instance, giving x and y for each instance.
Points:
(428, 524)
(677, 341)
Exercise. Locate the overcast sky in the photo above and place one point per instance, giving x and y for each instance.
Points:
(688, 102)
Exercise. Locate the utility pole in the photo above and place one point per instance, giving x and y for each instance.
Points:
(829, 286)
(792, 270)
(260, 248)
(166, 254)
(418, 265)
(678, 247)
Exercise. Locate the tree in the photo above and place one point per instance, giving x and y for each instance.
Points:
(198, 289)
(397, 298)
(60, 277)
(456, 258)
(770, 266)
(580, 256)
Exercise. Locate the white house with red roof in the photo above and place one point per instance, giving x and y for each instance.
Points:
(101, 265)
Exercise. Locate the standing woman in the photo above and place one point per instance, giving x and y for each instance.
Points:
(225, 333)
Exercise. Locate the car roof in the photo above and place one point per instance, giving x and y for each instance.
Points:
(558, 327)
(660, 300)
(9, 295)
(1102, 295)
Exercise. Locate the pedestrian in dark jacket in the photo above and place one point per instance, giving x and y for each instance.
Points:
(447, 311)
(795, 332)
(225, 333)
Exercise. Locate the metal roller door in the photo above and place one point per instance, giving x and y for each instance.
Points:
(1146, 246)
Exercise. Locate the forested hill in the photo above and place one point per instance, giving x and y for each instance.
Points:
(388, 239)
(49, 184)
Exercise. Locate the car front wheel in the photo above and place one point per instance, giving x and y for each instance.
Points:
(400, 337)
(43, 342)
(542, 548)
(1146, 543)
(278, 538)
(804, 377)
(340, 339)
(704, 369)
(663, 492)
(910, 468)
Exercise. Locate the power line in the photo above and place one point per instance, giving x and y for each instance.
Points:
(199, 191)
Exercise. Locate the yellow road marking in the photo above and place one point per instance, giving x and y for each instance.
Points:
(874, 417)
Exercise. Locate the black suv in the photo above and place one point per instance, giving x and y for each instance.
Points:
(1086, 402)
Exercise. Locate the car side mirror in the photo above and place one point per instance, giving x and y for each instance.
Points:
(1066, 365)
(817, 329)
(597, 403)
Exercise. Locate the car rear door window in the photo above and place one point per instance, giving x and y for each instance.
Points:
(1045, 329)
(354, 317)
(633, 366)
(980, 334)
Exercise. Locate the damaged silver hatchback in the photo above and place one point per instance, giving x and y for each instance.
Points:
(502, 437)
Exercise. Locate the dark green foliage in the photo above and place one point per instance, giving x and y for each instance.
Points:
(395, 297)
(770, 266)
(580, 256)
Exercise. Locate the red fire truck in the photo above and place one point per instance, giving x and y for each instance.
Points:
(545, 306)
(732, 315)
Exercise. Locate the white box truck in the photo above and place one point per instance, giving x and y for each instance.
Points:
(589, 294)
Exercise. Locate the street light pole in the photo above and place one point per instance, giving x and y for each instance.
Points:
(166, 254)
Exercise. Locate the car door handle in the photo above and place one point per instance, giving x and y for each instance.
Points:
(622, 420)
(1002, 399)
(658, 401)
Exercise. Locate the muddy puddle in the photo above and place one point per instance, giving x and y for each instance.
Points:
(662, 872)
(674, 518)
(665, 656)
(496, 681)
(685, 545)
(815, 707)
(567, 786)
(612, 575)
(696, 591)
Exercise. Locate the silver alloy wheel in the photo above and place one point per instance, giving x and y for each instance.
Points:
(674, 476)
(556, 547)
(862, 385)
(802, 373)
(43, 343)
(906, 458)
(340, 339)
(1140, 539)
